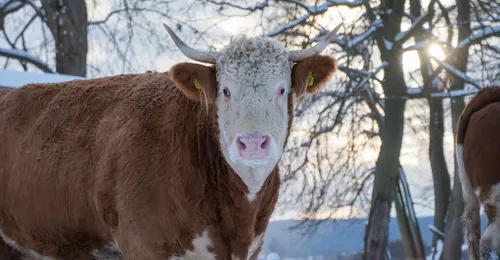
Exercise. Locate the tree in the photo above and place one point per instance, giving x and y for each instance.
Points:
(56, 35)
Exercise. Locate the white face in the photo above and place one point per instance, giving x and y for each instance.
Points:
(252, 109)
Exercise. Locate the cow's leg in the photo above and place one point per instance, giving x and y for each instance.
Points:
(490, 242)
(472, 205)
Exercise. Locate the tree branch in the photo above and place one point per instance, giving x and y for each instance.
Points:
(23, 56)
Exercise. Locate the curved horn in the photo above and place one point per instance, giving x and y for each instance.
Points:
(197, 55)
(316, 49)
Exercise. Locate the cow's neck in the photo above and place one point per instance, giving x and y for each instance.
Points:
(236, 214)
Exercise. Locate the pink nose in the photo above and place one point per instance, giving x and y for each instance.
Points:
(253, 146)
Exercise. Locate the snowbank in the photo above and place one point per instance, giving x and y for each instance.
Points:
(16, 79)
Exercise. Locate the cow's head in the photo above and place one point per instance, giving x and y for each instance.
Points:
(253, 85)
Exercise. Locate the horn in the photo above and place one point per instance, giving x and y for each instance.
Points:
(316, 49)
(197, 55)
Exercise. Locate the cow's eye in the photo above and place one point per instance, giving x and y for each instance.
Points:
(280, 92)
(227, 93)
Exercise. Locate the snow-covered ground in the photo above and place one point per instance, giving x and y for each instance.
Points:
(15, 79)
(335, 238)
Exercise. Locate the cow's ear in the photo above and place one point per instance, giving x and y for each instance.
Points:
(310, 75)
(196, 81)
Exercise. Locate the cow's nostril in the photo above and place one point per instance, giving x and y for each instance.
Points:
(265, 144)
(241, 145)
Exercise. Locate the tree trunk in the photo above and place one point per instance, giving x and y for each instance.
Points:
(440, 174)
(441, 177)
(391, 135)
(386, 179)
(411, 237)
(67, 20)
(454, 227)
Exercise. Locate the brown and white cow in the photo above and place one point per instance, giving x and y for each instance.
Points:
(478, 156)
(177, 165)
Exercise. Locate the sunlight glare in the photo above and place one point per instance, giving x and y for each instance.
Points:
(436, 52)
(411, 61)
(369, 155)
(344, 212)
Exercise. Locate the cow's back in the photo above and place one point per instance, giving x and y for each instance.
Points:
(477, 152)
(59, 144)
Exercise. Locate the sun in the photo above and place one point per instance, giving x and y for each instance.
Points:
(436, 52)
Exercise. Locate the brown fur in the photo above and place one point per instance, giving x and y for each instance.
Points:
(477, 132)
(128, 157)
(321, 68)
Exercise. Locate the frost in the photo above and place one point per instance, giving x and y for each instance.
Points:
(388, 44)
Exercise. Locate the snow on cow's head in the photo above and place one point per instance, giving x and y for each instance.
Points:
(253, 85)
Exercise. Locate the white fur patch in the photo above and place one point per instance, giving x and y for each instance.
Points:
(468, 191)
(472, 207)
(253, 70)
(490, 242)
(110, 252)
(255, 244)
(201, 245)
(478, 192)
(28, 253)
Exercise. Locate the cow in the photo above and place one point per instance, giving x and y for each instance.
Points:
(160, 165)
(478, 157)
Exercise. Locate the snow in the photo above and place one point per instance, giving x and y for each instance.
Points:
(311, 10)
(436, 84)
(414, 91)
(16, 79)
(388, 44)
(8, 6)
(21, 55)
(416, 23)
(458, 73)
(365, 80)
(437, 251)
(273, 256)
(455, 93)
(436, 230)
(484, 33)
(365, 35)
(287, 26)
(388, 12)
(417, 46)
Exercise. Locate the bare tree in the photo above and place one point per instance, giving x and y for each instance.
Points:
(57, 35)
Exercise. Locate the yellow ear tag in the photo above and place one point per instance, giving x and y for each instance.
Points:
(197, 84)
(310, 81)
